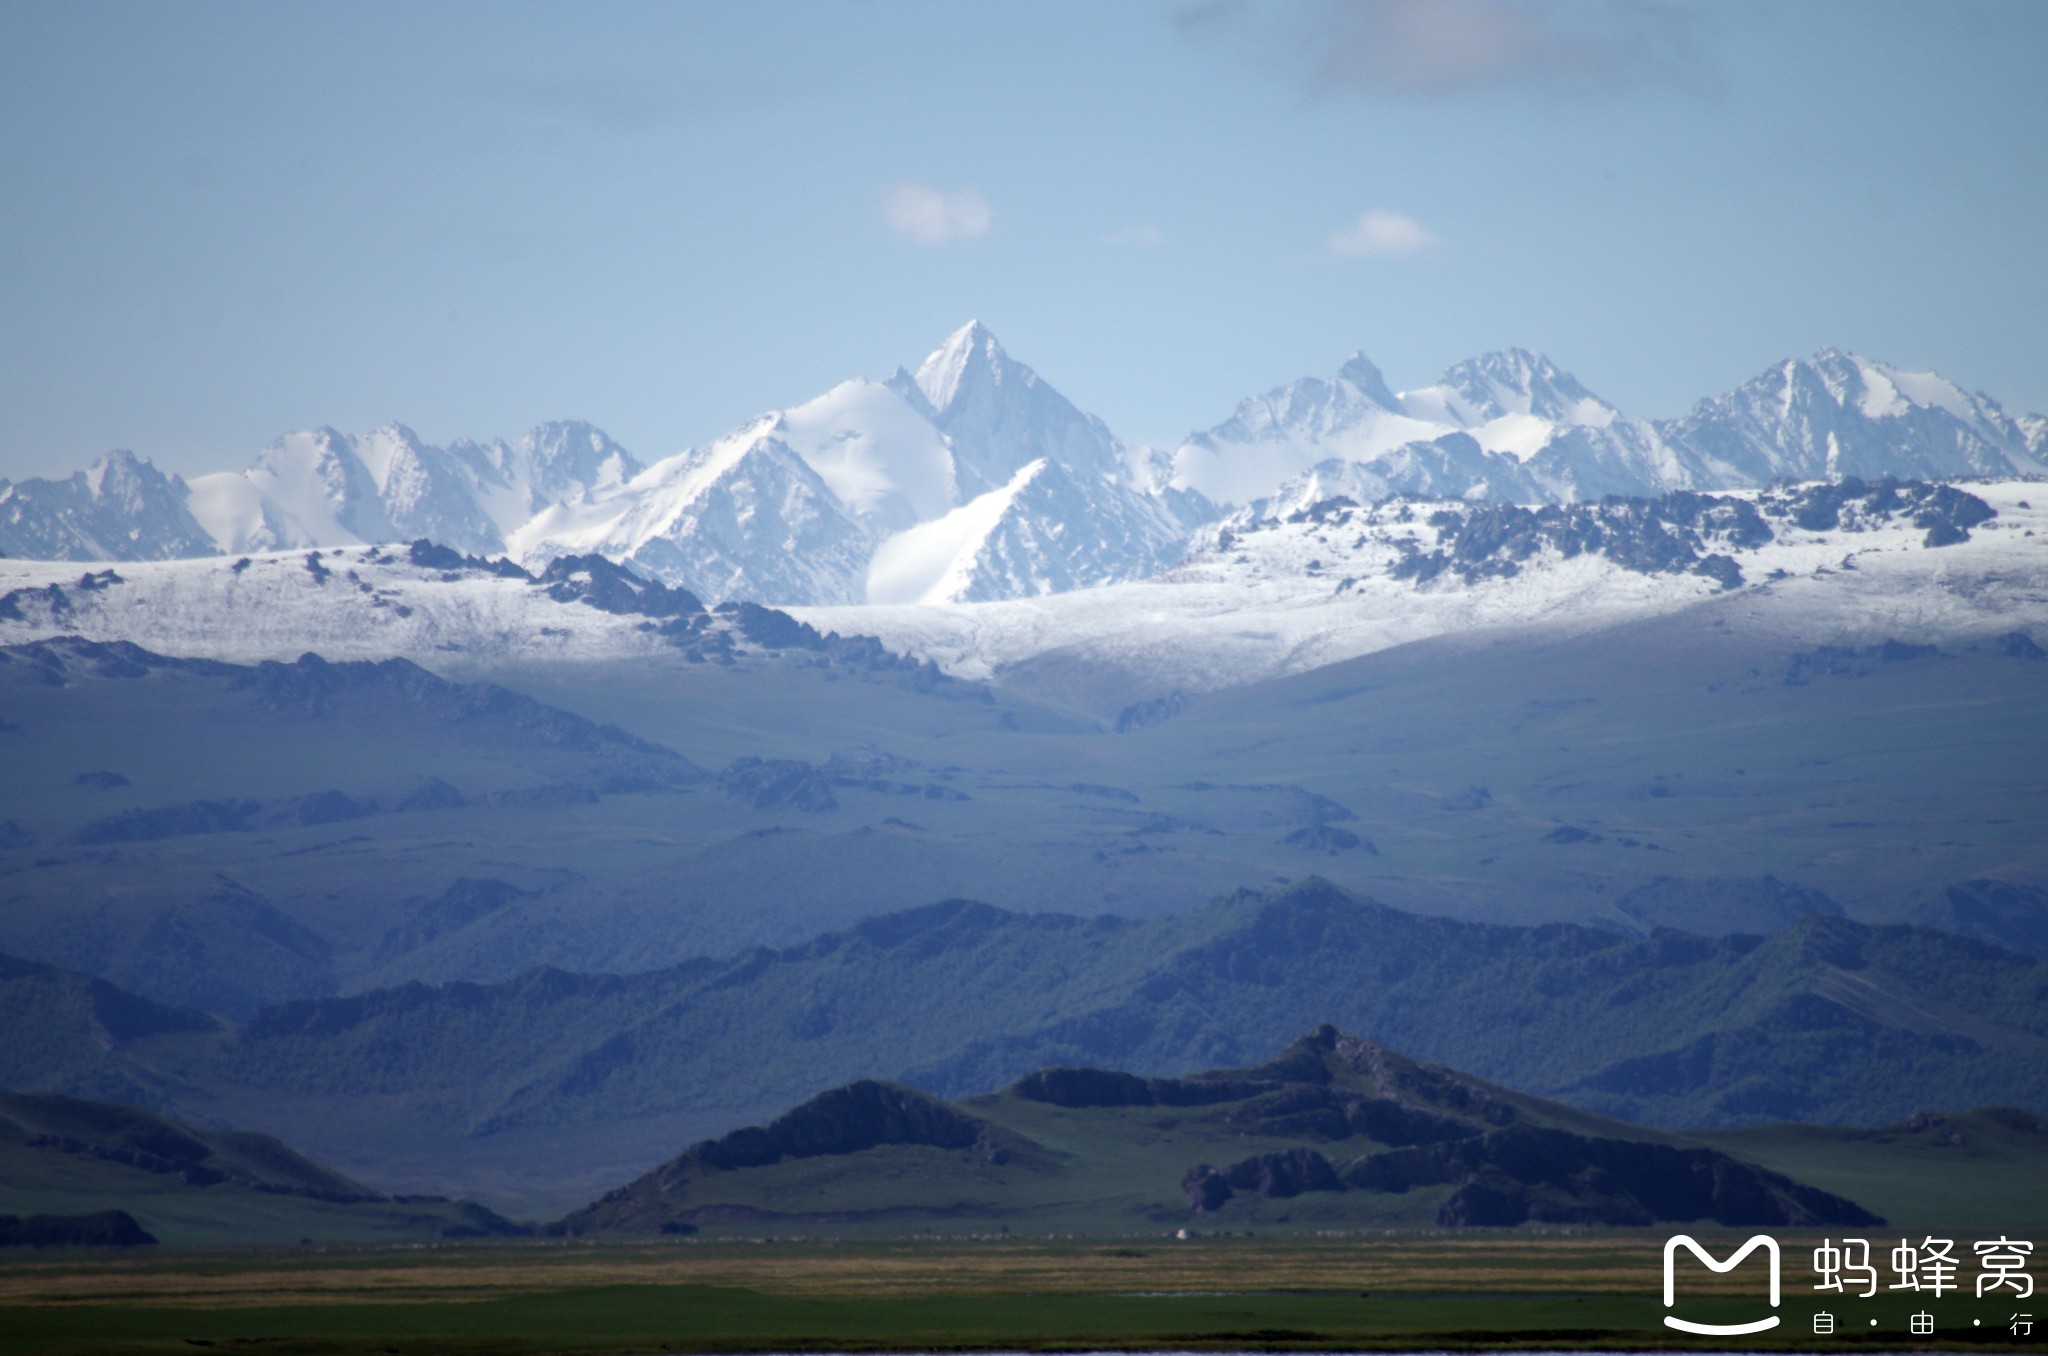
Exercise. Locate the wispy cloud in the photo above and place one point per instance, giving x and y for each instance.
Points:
(1380, 233)
(932, 217)
(1442, 48)
(1145, 237)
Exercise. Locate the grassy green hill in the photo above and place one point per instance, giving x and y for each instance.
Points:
(1335, 1132)
(66, 1156)
(1987, 1168)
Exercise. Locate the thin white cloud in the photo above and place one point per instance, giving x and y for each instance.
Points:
(932, 217)
(1147, 237)
(1381, 233)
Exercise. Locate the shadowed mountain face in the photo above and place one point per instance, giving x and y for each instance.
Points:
(1372, 1136)
(99, 1174)
(127, 1135)
(1814, 1023)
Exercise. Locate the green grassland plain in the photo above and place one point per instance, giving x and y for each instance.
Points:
(1506, 1290)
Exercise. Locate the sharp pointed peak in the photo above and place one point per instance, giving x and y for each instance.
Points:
(939, 375)
(566, 427)
(1829, 358)
(971, 333)
(1514, 360)
(392, 428)
(1362, 373)
(320, 435)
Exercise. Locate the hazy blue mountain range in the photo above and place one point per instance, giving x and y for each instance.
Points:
(470, 1088)
(973, 479)
(242, 834)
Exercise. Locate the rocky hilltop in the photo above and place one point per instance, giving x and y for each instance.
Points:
(1341, 1128)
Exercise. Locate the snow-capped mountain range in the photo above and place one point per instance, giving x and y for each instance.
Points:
(1512, 427)
(972, 479)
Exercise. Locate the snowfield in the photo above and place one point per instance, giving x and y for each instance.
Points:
(1259, 597)
(372, 604)
(1291, 596)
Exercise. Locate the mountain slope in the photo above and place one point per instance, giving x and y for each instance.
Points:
(121, 508)
(1828, 1020)
(1837, 414)
(1506, 426)
(1045, 531)
(424, 602)
(68, 1156)
(1000, 416)
(323, 488)
(1511, 426)
(746, 516)
(1334, 1131)
(789, 507)
(1287, 586)
(972, 479)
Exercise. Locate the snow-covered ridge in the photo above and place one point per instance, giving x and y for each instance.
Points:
(1265, 596)
(1261, 596)
(442, 609)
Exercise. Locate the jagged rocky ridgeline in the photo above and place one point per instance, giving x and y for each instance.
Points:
(1678, 533)
(1344, 1131)
(972, 479)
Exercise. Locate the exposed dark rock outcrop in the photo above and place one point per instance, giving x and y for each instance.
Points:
(1151, 711)
(1330, 839)
(1552, 1176)
(1108, 1087)
(597, 582)
(1446, 1129)
(430, 555)
(105, 1229)
(1676, 533)
(1672, 534)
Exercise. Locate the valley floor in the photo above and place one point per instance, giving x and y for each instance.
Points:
(1422, 1292)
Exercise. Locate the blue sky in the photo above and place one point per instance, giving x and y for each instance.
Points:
(223, 221)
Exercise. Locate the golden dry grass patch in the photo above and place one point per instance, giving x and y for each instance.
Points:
(1510, 1264)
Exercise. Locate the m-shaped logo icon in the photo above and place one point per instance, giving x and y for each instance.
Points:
(1671, 1247)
